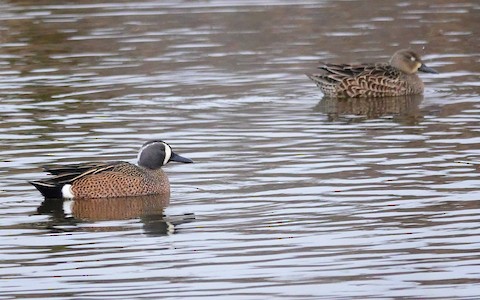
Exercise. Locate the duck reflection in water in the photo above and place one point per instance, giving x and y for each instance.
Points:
(149, 209)
(404, 109)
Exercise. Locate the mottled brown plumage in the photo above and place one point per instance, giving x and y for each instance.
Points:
(119, 180)
(396, 78)
(112, 179)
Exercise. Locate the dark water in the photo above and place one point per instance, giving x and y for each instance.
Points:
(291, 196)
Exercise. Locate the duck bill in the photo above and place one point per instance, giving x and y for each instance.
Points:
(178, 158)
(424, 68)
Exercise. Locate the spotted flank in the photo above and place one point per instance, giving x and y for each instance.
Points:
(112, 179)
(396, 78)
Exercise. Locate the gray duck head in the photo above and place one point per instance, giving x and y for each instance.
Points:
(155, 154)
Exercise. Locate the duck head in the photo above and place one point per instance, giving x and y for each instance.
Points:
(409, 62)
(155, 154)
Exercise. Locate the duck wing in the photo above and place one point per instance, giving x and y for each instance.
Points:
(359, 80)
(381, 80)
(67, 174)
(64, 174)
(339, 72)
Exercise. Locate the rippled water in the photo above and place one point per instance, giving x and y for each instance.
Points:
(290, 196)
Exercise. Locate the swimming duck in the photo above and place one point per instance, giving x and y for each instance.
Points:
(396, 78)
(112, 179)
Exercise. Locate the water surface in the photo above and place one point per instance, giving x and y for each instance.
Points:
(291, 196)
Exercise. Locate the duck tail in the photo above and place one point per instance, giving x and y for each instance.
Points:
(48, 189)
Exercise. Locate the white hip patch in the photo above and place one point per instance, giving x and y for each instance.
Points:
(67, 191)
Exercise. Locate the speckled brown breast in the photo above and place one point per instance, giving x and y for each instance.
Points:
(121, 181)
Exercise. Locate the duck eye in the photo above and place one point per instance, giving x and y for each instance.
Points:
(412, 58)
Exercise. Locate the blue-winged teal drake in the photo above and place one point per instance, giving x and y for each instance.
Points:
(396, 78)
(112, 179)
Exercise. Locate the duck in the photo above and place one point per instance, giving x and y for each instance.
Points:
(398, 77)
(112, 179)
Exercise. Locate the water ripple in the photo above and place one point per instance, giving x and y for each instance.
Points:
(291, 195)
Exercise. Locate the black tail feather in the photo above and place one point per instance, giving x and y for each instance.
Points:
(48, 190)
